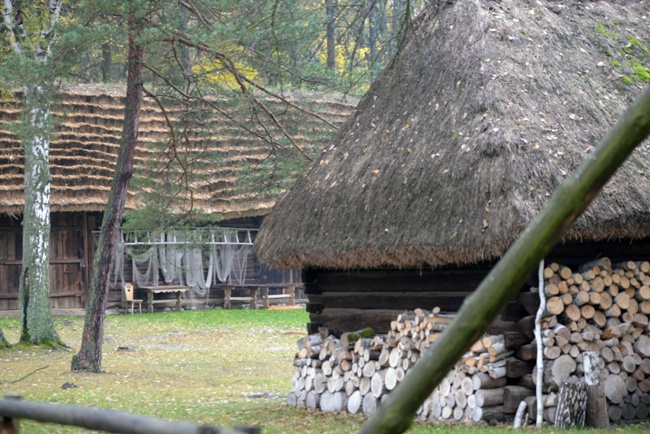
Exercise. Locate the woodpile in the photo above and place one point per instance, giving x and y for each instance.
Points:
(602, 308)
(354, 373)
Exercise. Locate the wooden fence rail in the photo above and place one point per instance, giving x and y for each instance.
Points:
(112, 421)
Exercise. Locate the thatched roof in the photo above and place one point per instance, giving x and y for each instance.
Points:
(461, 140)
(84, 149)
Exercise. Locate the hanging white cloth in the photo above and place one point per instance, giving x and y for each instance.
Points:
(170, 258)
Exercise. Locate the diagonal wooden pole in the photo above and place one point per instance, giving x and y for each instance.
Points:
(501, 284)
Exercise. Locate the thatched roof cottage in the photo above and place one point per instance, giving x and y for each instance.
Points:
(457, 145)
(83, 157)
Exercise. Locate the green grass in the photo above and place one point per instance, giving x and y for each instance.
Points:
(219, 367)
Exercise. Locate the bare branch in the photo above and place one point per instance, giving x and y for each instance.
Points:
(210, 104)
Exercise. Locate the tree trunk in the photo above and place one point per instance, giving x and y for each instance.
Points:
(373, 36)
(572, 405)
(3, 341)
(37, 326)
(107, 63)
(89, 357)
(514, 268)
(330, 9)
(186, 62)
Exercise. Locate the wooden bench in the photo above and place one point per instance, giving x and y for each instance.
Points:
(251, 298)
(177, 290)
(288, 293)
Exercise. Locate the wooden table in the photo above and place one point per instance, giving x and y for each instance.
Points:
(151, 290)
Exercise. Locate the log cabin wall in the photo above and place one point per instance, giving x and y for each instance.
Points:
(351, 300)
(71, 253)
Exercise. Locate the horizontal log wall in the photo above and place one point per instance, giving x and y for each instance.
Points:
(355, 299)
(349, 300)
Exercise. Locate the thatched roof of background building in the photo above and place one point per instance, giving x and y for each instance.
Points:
(83, 152)
(462, 139)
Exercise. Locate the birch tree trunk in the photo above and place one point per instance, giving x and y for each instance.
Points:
(89, 357)
(37, 326)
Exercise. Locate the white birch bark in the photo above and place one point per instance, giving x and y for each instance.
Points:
(37, 325)
(540, 350)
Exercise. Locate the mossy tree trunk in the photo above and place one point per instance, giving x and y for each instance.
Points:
(89, 357)
(507, 277)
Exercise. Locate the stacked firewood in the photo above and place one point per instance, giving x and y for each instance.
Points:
(601, 308)
(356, 371)
(598, 308)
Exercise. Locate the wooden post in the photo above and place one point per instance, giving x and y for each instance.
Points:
(265, 297)
(227, 291)
(597, 413)
(253, 304)
(292, 290)
(149, 301)
(178, 301)
(572, 404)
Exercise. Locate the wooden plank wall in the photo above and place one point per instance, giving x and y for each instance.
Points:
(70, 258)
(11, 245)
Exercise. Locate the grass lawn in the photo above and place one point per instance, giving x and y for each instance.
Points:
(219, 367)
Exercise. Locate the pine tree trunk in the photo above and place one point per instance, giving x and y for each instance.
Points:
(107, 63)
(330, 9)
(373, 36)
(89, 357)
(186, 62)
(37, 326)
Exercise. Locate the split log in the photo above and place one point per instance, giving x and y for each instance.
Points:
(369, 405)
(354, 402)
(377, 384)
(488, 414)
(333, 402)
(390, 378)
(489, 397)
(615, 389)
(555, 306)
(512, 396)
(615, 413)
(526, 352)
(558, 371)
(516, 368)
(642, 346)
(312, 399)
(484, 381)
